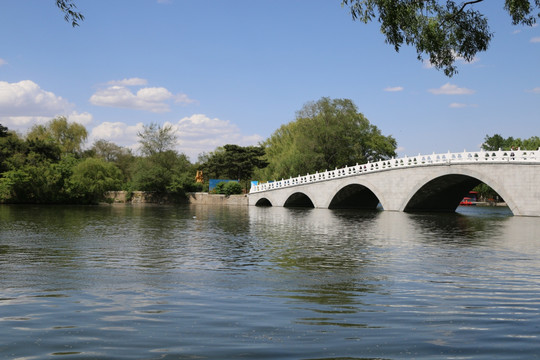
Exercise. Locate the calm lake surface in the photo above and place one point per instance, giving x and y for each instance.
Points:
(129, 282)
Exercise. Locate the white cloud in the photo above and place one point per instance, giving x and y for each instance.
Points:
(535, 90)
(426, 64)
(183, 99)
(196, 134)
(2, 62)
(461, 105)
(153, 99)
(24, 104)
(462, 60)
(26, 98)
(154, 94)
(535, 39)
(129, 82)
(450, 89)
(120, 96)
(394, 89)
(81, 118)
(23, 122)
(199, 133)
(118, 132)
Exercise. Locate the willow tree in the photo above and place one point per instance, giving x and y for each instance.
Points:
(326, 134)
(441, 30)
(68, 136)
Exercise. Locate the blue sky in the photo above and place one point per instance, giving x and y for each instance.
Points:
(234, 71)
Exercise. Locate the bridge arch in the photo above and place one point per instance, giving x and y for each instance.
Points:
(299, 199)
(444, 191)
(263, 202)
(354, 196)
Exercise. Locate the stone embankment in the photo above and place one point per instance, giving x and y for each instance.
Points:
(199, 198)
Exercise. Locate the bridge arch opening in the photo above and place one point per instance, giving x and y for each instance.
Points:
(354, 196)
(299, 200)
(442, 194)
(263, 202)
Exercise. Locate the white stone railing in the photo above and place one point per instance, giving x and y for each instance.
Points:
(520, 156)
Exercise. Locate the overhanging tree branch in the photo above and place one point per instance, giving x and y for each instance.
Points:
(70, 12)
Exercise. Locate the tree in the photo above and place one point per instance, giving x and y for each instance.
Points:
(107, 150)
(496, 142)
(110, 152)
(442, 30)
(3, 131)
(37, 180)
(161, 173)
(326, 134)
(161, 168)
(69, 9)
(155, 139)
(10, 146)
(235, 162)
(70, 137)
(90, 180)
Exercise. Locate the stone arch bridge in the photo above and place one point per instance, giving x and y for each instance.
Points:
(434, 182)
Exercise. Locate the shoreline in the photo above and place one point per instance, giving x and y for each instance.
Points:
(196, 198)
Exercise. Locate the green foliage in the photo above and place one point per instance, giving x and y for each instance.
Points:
(496, 142)
(120, 156)
(108, 151)
(157, 173)
(150, 176)
(46, 166)
(37, 181)
(91, 178)
(10, 146)
(69, 137)
(326, 134)
(228, 188)
(486, 193)
(442, 30)
(183, 183)
(3, 131)
(234, 162)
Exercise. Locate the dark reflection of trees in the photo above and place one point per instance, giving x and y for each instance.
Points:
(456, 228)
(320, 258)
(43, 234)
(194, 237)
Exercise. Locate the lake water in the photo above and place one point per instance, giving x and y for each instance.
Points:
(202, 282)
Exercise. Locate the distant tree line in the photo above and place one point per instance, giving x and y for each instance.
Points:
(49, 164)
(496, 142)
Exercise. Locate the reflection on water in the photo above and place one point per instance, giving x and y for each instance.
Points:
(165, 282)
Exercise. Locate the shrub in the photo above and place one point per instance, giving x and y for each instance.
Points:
(228, 188)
